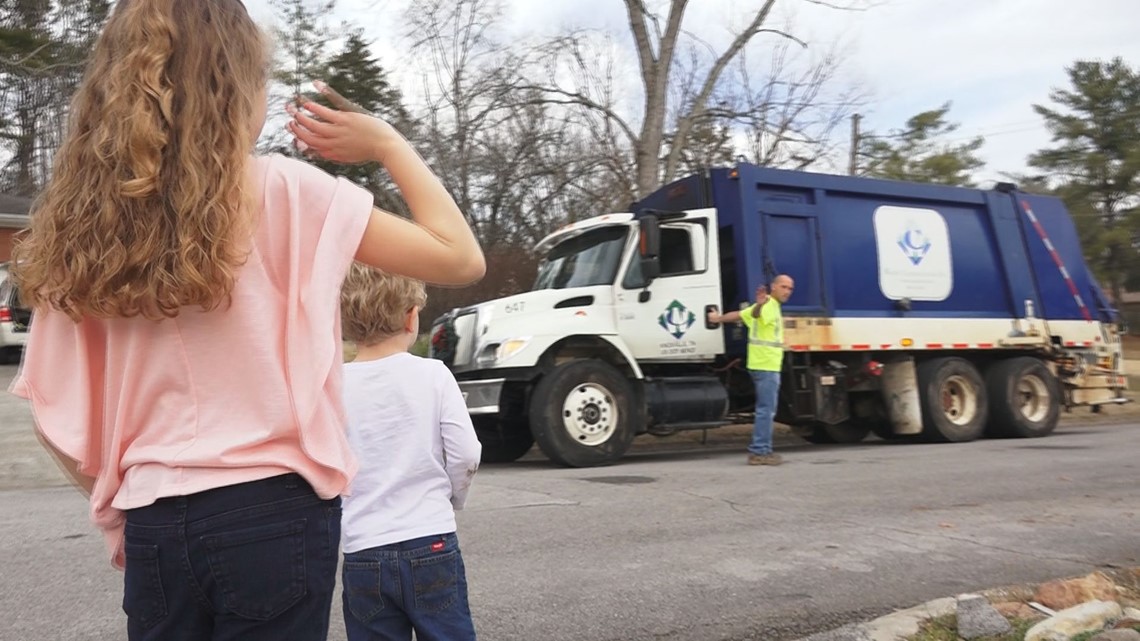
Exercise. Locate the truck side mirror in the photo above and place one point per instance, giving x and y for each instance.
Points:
(649, 247)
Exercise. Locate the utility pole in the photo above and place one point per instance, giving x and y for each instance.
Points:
(853, 162)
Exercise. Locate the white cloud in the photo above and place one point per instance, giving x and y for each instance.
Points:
(992, 58)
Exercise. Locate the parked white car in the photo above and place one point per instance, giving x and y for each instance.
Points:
(14, 319)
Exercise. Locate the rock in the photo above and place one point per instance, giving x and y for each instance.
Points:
(1015, 610)
(977, 618)
(1087, 617)
(1131, 613)
(1117, 635)
(1066, 593)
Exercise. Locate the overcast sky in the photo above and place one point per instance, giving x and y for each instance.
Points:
(992, 58)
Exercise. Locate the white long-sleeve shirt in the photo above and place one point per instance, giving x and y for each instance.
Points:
(418, 453)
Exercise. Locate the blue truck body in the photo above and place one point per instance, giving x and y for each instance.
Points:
(818, 228)
(919, 311)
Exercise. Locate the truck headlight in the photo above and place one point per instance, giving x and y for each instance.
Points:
(498, 352)
(511, 347)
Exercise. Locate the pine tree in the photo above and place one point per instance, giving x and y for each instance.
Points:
(357, 75)
(920, 152)
(1094, 163)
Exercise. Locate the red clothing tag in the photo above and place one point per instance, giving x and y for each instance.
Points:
(437, 546)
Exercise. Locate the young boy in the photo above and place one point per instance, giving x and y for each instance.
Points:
(409, 427)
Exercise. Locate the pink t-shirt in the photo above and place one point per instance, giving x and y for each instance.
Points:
(208, 399)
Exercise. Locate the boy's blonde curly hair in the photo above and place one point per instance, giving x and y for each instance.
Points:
(374, 304)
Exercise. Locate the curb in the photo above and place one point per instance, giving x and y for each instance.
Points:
(896, 626)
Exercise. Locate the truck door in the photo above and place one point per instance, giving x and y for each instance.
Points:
(665, 320)
(791, 246)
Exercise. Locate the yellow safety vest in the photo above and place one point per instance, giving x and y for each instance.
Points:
(765, 336)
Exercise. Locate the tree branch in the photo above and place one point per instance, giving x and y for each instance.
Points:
(685, 124)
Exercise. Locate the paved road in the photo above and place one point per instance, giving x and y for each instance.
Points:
(684, 542)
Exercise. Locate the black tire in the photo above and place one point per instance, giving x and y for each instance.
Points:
(821, 434)
(884, 430)
(847, 433)
(1025, 398)
(582, 414)
(501, 443)
(814, 434)
(954, 400)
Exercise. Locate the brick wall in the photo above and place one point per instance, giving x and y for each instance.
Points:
(6, 243)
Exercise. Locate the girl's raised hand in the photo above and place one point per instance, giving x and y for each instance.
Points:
(345, 134)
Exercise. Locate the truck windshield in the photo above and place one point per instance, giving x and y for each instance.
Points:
(582, 261)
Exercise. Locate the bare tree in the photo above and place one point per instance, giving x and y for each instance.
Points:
(658, 143)
(791, 114)
(516, 166)
(512, 161)
(43, 49)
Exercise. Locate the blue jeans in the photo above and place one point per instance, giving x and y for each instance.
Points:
(253, 561)
(767, 395)
(417, 584)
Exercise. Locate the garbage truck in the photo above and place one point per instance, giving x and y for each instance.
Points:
(920, 311)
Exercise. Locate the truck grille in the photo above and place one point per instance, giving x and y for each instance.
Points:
(453, 339)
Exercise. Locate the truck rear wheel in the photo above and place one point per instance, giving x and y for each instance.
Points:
(501, 443)
(822, 434)
(583, 415)
(954, 405)
(1025, 400)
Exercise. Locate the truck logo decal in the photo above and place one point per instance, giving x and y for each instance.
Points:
(676, 319)
(914, 243)
(913, 248)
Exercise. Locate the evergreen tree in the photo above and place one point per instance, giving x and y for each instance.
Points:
(920, 152)
(1094, 163)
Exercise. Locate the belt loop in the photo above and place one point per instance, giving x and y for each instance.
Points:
(182, 505)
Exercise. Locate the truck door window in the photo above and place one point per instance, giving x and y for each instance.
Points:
(583, 261)
(676, 257)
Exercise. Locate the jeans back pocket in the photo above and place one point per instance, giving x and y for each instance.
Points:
(260, 570)
(365, 591)
(435, 581)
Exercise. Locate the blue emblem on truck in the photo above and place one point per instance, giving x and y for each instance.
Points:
(914, 244)
(677, 319)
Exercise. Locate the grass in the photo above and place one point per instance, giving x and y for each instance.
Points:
(945, 628)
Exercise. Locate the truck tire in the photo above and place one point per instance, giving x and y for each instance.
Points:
(1025, 399)
(501, 444)
(847, 432)
(885, 431)
(582, 414)
(954, 401)
(813, 434)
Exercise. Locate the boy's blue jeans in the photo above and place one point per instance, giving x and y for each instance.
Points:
(767, 395)
(417, 584)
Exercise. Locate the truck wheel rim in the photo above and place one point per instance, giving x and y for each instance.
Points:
(589, 414)
(959, 400)
(1032, 398)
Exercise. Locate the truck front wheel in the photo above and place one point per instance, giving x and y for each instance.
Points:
(583, 414)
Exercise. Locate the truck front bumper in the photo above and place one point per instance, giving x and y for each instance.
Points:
(482, 396)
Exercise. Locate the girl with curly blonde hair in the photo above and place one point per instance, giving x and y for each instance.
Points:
(184, 362)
